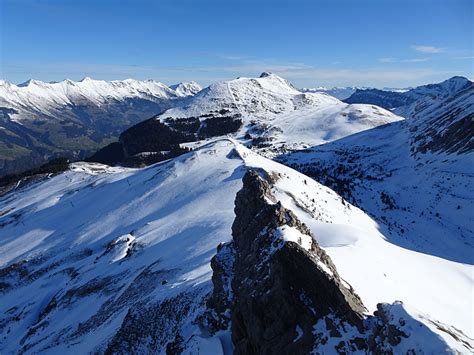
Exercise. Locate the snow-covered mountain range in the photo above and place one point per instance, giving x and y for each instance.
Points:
(41, 120)
(35, 97)
(344, 92)
(45, 120)
(272, 115)
(267, 112)
(222, 249)
(391, 99)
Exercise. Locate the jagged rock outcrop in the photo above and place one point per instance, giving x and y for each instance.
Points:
(220, 303)
(282, 282)
(278, 292)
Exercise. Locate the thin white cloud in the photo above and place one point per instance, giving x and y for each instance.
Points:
(386, 60)
(427, 49)
(395, 60)
(464, 58)
(416, 60)
(232, 57)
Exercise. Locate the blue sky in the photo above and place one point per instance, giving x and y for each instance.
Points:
(311, 43)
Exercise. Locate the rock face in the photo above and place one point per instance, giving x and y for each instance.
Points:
(277, 292)
(281, 286)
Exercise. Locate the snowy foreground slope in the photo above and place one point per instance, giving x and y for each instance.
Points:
(117, 259)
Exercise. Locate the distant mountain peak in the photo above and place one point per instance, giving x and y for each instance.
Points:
(458, 78)
(186, 88)
(453, 83)
(30, 82)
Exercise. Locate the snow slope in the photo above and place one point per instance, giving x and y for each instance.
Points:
(366, 258)
(86, 253)
(426, 99)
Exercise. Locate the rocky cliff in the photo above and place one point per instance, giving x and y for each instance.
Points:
(277, 291)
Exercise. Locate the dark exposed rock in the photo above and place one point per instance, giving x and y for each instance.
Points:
(283, 295)
(220, 303)
(279, 289)
(385, 331)
(154, 327)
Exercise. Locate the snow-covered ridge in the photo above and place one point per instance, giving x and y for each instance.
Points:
(260, 97)
(39, 94)
(343, 92)
(404, 100)
(429, 100)
(443, 89)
